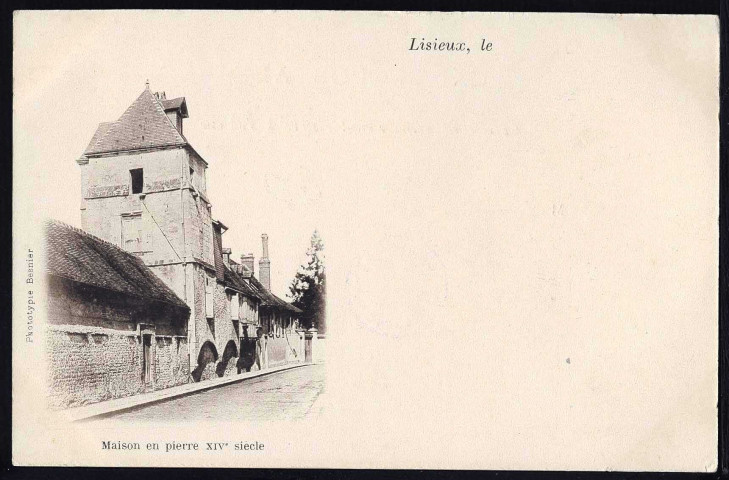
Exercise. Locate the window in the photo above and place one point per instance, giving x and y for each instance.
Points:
(137, 175)
(209, 311)
(132, 232)
(234, 306)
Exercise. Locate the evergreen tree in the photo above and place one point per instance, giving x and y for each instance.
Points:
(308, 288)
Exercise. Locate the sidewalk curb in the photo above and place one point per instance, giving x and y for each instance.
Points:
(119, 405)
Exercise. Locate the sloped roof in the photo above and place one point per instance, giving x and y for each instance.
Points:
(143, 125)
(174, 104)
(218, 252)
(239, 269)
(265, 295)
(286, 305)
(243, 271)
(268, 299)
(100, 132)
(234, 280)
(76, 255)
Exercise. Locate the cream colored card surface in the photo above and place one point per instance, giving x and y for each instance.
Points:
(519, 214)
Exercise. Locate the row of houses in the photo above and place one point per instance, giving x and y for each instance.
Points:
(145, 295)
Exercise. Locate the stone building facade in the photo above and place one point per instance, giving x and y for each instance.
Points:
(144, 190)
(114, 328)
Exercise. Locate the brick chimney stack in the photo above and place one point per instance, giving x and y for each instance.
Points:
(248, 260)
(264, 265)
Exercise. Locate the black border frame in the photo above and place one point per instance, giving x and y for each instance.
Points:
(717, 7)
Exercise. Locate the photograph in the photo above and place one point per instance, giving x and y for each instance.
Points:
(365, 240)
(144, 297)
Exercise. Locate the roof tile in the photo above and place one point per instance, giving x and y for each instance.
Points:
(143, 125)
(76, 255)
(237, 283)
(174, 104)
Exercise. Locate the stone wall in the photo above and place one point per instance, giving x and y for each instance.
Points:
(87, 367)
(228, 362)
(94, 348)
(171, 363)
(198, 178)
(283, 348)
(106, 196)
(226, 336)
(161, 217)
(174, 216)
(209, 372)
(319, 354)
(91, 364)
(175, 220)
(207, 360)
(198, 227)
(173, 276)
(204, 328)
(224, 326)
(219, 331)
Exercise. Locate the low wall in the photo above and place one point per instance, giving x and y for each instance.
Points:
(90, 364)
(210, 365)
(283, 349)
(320, 350)
(171, 362)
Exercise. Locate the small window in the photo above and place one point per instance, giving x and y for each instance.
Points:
(137, 180)
(192, 173)
(234, 307)
(209, 310)
(132, 233)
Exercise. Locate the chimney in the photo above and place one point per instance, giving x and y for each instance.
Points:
(226, 257)
(264, 265)
(248, 261)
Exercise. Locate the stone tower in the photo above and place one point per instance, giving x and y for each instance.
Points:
(144, 189)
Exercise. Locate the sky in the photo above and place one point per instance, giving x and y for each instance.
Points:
(265, 172)
(486, 216)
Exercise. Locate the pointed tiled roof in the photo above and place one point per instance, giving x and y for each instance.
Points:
(100, 132)
(81, 257)
(144, 125)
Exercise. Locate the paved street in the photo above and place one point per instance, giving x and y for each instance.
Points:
(291, 394)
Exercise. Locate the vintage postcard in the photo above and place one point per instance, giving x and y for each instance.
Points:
(365, 240)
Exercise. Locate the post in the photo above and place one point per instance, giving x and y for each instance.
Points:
(302, 345)
(265, 351)
(310, 345)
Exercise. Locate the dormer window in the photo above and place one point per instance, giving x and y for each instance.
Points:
(176, 110)
(137, 176)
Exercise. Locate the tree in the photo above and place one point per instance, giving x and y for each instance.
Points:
(308, 288)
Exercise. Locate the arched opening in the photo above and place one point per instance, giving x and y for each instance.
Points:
(230, 355)
(208, 356)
